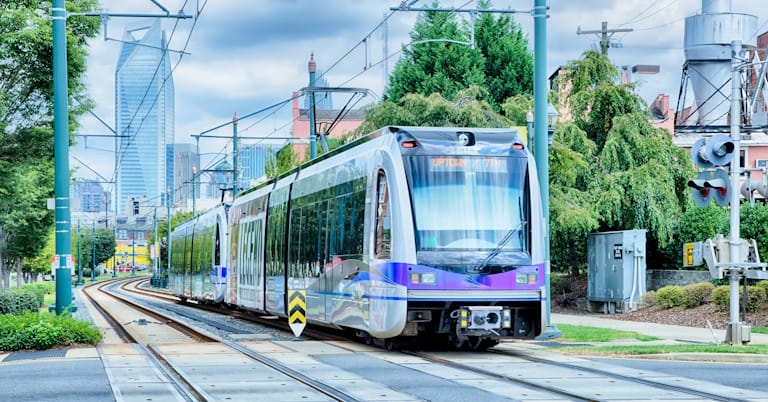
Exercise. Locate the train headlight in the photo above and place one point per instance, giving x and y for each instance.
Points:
(506, 318)
(524, 278)
(426, 278)
(464, 318)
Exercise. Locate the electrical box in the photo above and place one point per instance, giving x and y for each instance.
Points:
(616, 264)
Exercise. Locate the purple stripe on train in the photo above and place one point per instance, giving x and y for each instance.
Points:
(402, 273)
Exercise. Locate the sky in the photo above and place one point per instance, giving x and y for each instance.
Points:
(242, 56)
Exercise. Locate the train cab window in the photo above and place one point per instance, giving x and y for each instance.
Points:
(383, 219)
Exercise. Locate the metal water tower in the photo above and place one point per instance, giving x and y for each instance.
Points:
(707, 65)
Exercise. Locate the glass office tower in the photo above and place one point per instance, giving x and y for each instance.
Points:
(144, 118)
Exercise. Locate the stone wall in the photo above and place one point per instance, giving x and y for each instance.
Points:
(658, 278)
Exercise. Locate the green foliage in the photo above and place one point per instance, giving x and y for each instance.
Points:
(103, 240)
(43, 331)
(439, 59)
(26, 117)
(755, 300)
(18, 301)
(610, 169)
(670, 296)
(40, 289)
(284, 160)
(578, 333)
(697, 294)
(763, 285)
(467, 110)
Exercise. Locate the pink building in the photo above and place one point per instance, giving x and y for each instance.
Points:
(324, 118)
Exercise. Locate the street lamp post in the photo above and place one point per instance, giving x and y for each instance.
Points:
(541, 145)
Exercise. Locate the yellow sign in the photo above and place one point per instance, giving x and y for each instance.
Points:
(297, 311)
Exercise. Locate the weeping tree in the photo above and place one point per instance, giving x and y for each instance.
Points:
(610, 169)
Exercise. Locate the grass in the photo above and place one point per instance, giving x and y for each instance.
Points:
(578, 333)
(662, 349)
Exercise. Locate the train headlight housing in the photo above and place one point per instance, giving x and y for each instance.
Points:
(525, 278)
(424, 278)
(464, 318)
(506, 318)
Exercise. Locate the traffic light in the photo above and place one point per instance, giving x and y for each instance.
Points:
(711, 184)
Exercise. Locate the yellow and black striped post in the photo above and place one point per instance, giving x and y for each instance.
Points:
(297, 311)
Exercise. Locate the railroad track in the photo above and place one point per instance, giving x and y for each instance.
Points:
(188, 357)
(580, 379)
(511, 369)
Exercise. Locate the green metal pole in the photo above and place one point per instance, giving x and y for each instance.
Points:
(168, 251)
(114, 254)
(133, 250)
(541, 146)
(61, 157)
(79, 260)
(194, 201)
(312, 133)
(234, 156)
(93, 262)
(155, 265)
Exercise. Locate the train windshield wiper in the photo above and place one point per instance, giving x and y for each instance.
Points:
(504, 240)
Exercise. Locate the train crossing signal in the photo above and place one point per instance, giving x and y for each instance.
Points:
(713, 151)
(711, 184)
(708, 153)
(750, 186)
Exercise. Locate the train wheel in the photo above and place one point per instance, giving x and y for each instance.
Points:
(368, 339)
(390, 344)
(474, 343)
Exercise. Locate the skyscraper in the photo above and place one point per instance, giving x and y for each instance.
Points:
(253, 162)
(185, 157)
(144, 115)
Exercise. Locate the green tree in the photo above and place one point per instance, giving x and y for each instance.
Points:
(104, 241)
(434, 62)
(440, 58)
(466, 110)
(628, 174)
(285, 159)
(508, 65)
(26, 118)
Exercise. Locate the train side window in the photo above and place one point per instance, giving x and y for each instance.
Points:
(383, 221)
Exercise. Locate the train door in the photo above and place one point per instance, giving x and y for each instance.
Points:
(246, 291)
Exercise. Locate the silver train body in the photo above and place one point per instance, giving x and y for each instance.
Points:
(408, 232)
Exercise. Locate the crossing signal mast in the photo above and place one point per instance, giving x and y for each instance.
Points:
(718, 156)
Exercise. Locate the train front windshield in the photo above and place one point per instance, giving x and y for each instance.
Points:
(469, 203)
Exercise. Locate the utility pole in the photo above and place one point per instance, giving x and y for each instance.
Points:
(312, 140)
(605, 36)
(61, 146)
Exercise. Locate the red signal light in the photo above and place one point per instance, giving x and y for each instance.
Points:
(409, 144)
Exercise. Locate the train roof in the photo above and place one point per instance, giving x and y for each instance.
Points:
(435, 135)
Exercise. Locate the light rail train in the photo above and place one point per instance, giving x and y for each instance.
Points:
(407, 233)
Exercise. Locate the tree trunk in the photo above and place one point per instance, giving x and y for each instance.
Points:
(19, 274)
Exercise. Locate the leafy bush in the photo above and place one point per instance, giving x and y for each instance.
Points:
(18, 301)
(40, 289)
(670, 296)
(697, 294)
(649, 299)
(43, 331)
(764, 286)
(756, 297)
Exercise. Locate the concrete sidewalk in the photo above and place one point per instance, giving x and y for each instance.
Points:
(668, 332)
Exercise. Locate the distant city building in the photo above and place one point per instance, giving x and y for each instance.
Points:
(220, 177)
(253, 162)
(144, 115)
(91, 195)
(185, 157)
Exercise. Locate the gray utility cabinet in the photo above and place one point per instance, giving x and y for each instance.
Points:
(616, 270)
